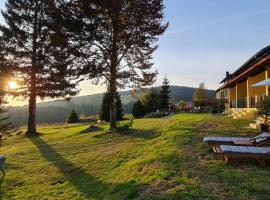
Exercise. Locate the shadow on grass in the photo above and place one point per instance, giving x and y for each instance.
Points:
(86, 184)
(89, 186)
(91, 129)
(138, 133)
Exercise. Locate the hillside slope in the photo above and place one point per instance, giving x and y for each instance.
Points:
(157, 159)
(57, 111)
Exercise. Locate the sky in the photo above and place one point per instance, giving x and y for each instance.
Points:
(205, 39)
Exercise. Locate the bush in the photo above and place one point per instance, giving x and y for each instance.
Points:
(125, 125)
(73, 117)
(216, 106)
(138, 110)
(263, 109)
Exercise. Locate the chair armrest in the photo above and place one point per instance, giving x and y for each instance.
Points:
(254, 139)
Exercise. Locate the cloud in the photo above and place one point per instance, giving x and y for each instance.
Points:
(218, 21)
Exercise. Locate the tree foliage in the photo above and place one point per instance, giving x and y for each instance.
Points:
(199, 96)
(182, 105)
(105, 107)
(151, 101)
(263, 109)
(138, 110)
(73, 117)
(148, 103)
(4, 117)
(126, 35)
(37, 49)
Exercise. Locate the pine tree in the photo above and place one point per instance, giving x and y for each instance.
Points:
(37, 48)
(105, 107)
(138, 110)
(199, 96)
(4, 74)
(121, 54)
(73, 117)
(165, 94)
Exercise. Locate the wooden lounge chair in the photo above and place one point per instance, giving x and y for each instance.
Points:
(2, 163)
(230, 152)
(261, 140)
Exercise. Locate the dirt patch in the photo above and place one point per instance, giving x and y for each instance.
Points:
(210, 125)
(159, 186)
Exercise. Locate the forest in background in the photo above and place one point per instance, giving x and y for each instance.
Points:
(58, 111)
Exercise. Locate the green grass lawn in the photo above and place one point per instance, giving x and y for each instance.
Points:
(156, 159)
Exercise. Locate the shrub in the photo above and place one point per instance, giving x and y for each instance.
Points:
(263, 109)
(138, 110)
(73, 117)
(215, 106)
(125, 125)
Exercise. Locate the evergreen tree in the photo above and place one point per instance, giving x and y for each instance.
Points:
(151, 101)
(37, 48)
(4, 74)
(165, 94)
(138, 110)
(199, 96)
(73, 117)
(121, 54)
(105, 107)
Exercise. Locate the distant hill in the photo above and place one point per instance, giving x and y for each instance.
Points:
(57, 111)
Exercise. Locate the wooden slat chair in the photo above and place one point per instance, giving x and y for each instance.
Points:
(260, 140)
(2, 164)
(230, 152)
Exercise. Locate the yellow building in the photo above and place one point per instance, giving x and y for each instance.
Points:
(237, 90)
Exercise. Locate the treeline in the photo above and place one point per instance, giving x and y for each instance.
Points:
(86, 106)
(58, 114)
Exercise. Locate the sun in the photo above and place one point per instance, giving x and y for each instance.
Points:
(12, 85)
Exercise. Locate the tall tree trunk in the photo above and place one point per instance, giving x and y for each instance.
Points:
(113, 68)
(33, 82)
(112, 92)
(113, 120)
(32, 114)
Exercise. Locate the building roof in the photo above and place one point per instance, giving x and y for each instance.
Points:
(253, 63)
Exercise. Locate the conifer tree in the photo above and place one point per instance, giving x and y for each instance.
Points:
(151, 101)
(138, 110)
(4, 117)
(165, 94)
(121, 54)
(73, 117)
(37, 48)
(105, 107)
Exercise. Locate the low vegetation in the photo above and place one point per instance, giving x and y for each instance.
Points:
(155, 159)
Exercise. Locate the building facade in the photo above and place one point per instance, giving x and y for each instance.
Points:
(237, 89)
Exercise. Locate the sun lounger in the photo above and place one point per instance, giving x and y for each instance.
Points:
(260, 140)
(230, 152)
